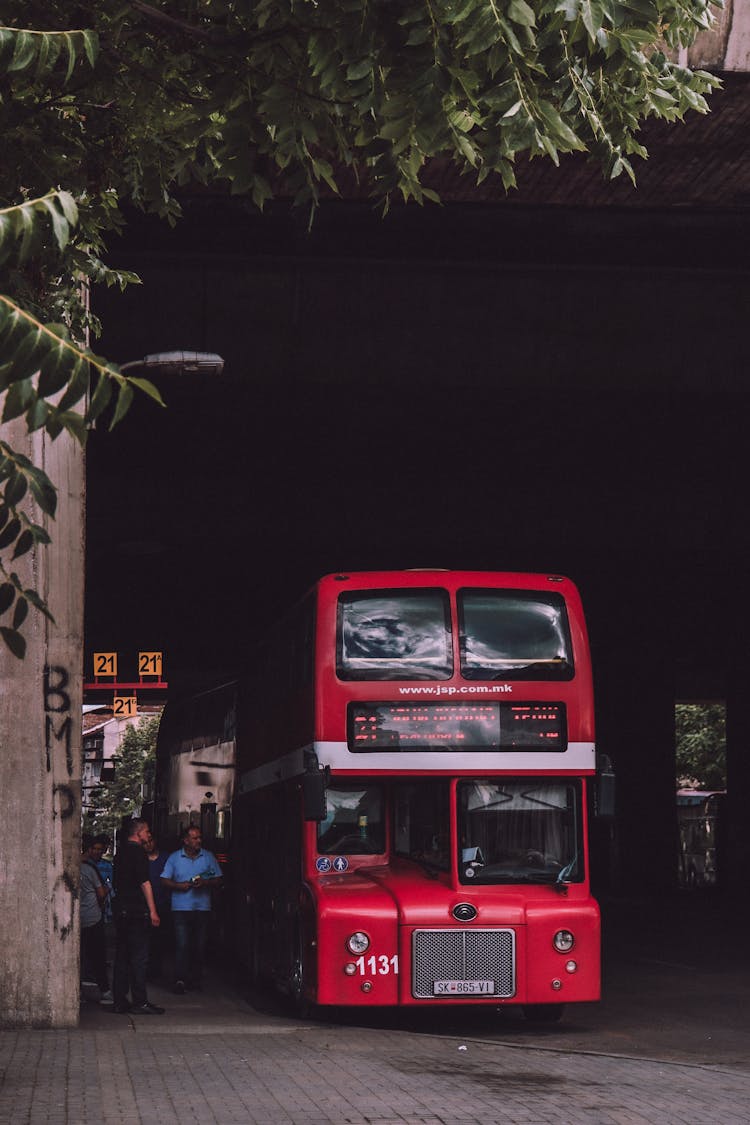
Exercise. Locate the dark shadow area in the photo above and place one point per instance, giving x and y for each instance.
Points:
(555, 389)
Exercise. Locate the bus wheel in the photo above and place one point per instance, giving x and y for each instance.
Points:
(300, 1004)
(543, 1013)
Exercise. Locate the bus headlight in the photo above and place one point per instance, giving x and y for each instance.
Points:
(563, 941)
(358, 943)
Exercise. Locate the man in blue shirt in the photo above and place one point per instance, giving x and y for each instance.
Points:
(191, 874)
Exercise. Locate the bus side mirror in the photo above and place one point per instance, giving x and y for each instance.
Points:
(314, 794)
(604, 795)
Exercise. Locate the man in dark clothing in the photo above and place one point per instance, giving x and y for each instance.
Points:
(135, 913)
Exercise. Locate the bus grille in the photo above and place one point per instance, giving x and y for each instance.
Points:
(460, 955)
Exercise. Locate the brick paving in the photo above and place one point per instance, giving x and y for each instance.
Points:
(669, 1044)
(279, 1073)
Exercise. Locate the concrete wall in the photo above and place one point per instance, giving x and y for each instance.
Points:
(40, 762)
(727, 47)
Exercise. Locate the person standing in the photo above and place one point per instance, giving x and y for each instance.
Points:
(104, 867)
(191, 873)
(134, 913)
(94, 892)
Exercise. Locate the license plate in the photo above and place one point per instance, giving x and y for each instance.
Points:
(463, 987)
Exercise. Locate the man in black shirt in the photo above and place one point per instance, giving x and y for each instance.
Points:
(134, 914)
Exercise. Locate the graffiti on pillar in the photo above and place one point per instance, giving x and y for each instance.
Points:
(58, 723)
(66, 801)
(58, 748)
(64, 897)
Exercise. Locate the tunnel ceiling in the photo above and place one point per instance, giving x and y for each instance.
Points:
(557, 382)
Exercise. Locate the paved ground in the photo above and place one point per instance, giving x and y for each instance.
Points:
(669, 1043)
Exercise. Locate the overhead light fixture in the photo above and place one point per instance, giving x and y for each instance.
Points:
(179, 363)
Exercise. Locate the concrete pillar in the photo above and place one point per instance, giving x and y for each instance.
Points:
(40, 760)
(734, 839)
(634, 683)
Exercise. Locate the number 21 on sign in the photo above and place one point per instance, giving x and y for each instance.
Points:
(125, 706)
(105, 664)
(149, 664)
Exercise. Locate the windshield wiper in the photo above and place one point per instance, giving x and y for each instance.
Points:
(565, 874)
(549, 667)
(490, 874)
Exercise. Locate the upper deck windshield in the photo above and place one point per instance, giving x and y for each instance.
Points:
(520, 831)
(514, 634)
(394, 635)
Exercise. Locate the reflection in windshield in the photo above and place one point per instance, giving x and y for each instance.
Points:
(353, 823)
(394, 635)
(514, 634)
(519, 832)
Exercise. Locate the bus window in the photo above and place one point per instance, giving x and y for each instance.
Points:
(514, 634)
(394, 635)
(353, 823)
(519, 831)
(422, 822)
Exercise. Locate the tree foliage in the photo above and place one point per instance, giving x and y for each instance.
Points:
(124, 795)
(115, 105)
(701, 734)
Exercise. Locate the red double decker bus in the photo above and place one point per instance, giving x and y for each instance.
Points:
(415, 753)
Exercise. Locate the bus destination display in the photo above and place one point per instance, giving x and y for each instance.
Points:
(374, 727)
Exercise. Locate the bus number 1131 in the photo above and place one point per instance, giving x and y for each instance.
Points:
(381, 965)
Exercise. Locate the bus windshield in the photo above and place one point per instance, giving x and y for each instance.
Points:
(422, 822)
(520, 831)
(514, 634)
(394, 635)
(354, 822)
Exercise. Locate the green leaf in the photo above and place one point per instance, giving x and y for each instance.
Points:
(520, 12)
(44, 492)
(15, 489)
(38, 415)
(418, 35)
(356, 71)
(38, 603)
(592, 14)
(148, 388)
(100, 397)
(14, 640)
(40, 535)
(24, 543)
(77, 386)
(90, 46)
(20, 613)
(10, 532)
(74, 423)
(55, 371)
(124, 399)
(18, 399)
(24, 52)
(7, 596)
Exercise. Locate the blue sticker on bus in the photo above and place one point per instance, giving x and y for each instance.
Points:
(340, 863)
(323, 864)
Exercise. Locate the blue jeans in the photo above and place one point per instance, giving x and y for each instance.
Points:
(131, 959)
(190, 932)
